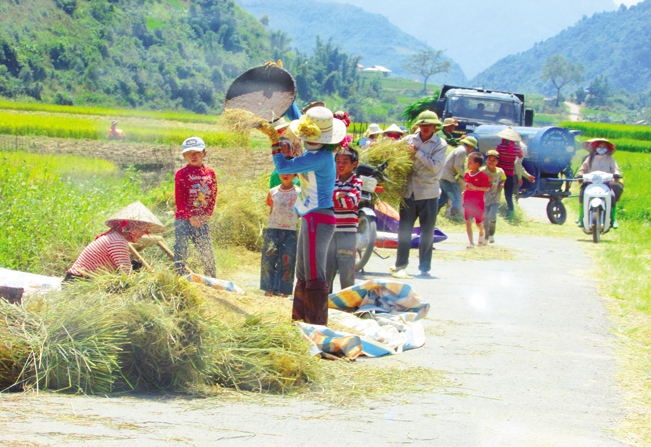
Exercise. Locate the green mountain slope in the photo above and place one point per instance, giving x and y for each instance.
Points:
(356, 31)
(156, 54)
(613, 44)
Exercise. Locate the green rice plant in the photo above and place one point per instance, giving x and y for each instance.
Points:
(635, 203)
(48, 218)
(113, 113)
(610, 131)
(93, 129)
(632, 145)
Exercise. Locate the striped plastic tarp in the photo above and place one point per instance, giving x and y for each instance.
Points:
(218, 284)
(386, 313)
(380, 295)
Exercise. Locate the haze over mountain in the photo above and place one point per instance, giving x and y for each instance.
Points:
(477, 33)
(356, 31)
(615, 44)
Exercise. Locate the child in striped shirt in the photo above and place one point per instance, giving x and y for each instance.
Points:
(348, 189)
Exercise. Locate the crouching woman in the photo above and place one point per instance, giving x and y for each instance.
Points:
(109, 252)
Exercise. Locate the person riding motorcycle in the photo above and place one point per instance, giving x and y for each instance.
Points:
(600, 159)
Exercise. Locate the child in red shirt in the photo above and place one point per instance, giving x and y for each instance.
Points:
(473, 197)
(195, 192)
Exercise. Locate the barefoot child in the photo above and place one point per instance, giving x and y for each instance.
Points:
(279, 250)
(195, 188)
(473, 197)
(492, 197)
(348, 189)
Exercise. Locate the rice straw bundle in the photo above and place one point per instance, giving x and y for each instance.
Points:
(145, 332)
(400, 167)
(241, 121)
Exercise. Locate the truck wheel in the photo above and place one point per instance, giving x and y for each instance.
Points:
(365, 241)
(595, 222)
(556, 211)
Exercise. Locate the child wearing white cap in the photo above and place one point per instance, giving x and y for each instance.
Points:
(195, 188)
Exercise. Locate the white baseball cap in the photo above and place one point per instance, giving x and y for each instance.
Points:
(191, 144)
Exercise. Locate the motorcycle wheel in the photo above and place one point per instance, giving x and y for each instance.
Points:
(556, 211)
(595, 221)
(365, 241)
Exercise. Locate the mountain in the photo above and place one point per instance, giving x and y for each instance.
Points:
(477, 33)
(613, 44)
(164, 54)
(356, 31)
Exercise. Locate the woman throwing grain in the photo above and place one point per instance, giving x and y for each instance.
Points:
(320, 133)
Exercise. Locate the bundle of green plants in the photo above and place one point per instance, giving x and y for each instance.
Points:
(610, 131)
(400, 167)
(145, 332)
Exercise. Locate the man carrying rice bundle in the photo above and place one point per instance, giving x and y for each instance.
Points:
(421, 193)
(109, 252)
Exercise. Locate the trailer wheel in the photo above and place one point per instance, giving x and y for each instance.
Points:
(556, 211)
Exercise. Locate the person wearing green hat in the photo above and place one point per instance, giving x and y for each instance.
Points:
(446, 133)
(454, 167)
(421, 192)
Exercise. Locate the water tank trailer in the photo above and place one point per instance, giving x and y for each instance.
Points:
(548, 157)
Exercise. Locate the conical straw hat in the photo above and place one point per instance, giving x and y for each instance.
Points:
(509, 134)
(136, 212)
(393, 129)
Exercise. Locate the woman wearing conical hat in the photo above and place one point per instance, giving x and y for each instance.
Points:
(109, 252)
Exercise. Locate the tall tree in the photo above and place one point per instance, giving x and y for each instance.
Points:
(561, 72)
(426, 63)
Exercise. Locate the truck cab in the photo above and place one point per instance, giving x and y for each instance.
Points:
(473, 107)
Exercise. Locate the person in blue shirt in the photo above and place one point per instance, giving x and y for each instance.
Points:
(320, 133)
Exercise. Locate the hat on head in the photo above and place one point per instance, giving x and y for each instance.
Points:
(450, 122)
(393, 129)
(136, 213)
(114, 123)
(469, 141)
(280, 124)
(313, 104)
(591, 145)
(492, 152)
(509, 134)
(195, 144)
(318, 125)
(373, 129)
(428, 117)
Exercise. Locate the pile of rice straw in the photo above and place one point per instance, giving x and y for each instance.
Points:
(399, 169)
(147, 332)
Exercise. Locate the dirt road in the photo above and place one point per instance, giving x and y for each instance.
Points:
(575, 111)
(525, 343)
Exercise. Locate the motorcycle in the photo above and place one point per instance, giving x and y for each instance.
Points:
(597, 204)
(367, 219)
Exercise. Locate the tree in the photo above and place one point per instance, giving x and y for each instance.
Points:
(426, 63)
(264, 20)
(599, 91)
(561, 72)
